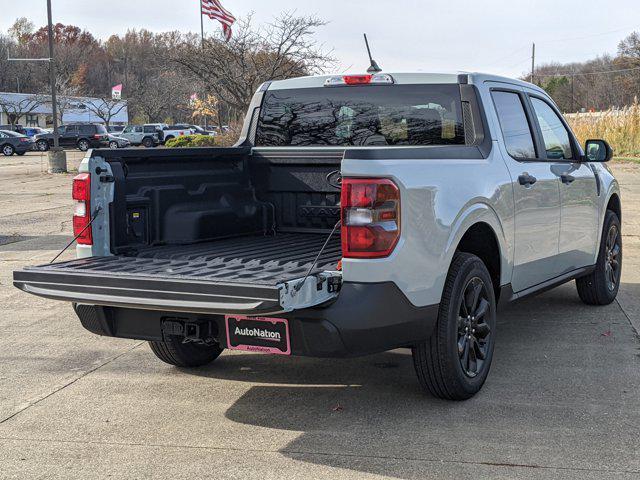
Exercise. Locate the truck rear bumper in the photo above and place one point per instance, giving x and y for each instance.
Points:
(365, 318)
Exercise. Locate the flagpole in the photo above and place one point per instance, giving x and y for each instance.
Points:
(204, 94)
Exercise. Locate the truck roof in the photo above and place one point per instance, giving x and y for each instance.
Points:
(404, 78)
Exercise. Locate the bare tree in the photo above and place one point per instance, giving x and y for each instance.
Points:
(17, 105)
(232, 71)
(105, 108)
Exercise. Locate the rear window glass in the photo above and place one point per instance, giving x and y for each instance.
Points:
(101, 129)
(372, 115)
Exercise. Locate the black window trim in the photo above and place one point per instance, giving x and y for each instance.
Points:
(530, 120)
(575, 146)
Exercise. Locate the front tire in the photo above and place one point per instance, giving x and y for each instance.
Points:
(42, 145)
(8, 150)
(174, 352)
(113, 145)
(601, 286)
(454, 363)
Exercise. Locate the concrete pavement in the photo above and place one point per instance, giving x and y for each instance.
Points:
(562, 399)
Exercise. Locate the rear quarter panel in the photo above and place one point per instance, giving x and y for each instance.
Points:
(440, 200)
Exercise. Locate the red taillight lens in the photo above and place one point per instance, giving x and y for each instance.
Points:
(81, 187)
(370, 213)
(81, 192)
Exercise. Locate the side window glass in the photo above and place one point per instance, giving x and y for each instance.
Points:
(555, 135)
(138, 129)
(127, 130)
(71, 129)
(514, 125)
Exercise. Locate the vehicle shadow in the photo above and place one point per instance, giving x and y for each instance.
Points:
(369, 415)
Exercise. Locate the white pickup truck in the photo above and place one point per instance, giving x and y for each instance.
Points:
(166, 132)
(357, 214)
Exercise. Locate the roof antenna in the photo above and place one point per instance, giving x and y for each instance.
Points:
(374, 67)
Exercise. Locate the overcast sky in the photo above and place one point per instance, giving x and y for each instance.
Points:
(487, 35)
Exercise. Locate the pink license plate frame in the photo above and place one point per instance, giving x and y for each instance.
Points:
(251, 325)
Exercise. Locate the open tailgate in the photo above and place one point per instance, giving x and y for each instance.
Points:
(249, 277)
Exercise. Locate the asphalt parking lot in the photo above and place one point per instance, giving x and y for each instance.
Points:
(562, 400)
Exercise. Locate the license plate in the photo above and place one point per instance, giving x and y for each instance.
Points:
(258, 334)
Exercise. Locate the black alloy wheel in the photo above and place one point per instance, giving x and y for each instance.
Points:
(473, 330)
(613, 247)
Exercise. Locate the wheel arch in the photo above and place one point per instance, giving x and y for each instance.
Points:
(614, 205)
(479, 231)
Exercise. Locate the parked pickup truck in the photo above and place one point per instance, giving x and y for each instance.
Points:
(356, 214)
(167, 132)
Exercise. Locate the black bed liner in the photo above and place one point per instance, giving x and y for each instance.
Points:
(233, 275)
(263, 260)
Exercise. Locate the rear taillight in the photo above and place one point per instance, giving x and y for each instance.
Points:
(81, 193)
(370, 213)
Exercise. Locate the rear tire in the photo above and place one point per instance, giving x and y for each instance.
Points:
(174, 352)
(454, 363)
(8, 150)
(83, 145)
(601, 286)
(147, 142)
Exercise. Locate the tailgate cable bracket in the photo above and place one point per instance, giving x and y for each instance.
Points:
(299, 285)
(93, 217)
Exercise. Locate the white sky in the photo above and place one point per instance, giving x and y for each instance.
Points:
(474, 35)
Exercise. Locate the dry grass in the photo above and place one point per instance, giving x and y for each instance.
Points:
(621, 128)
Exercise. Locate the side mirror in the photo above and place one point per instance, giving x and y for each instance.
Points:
(597, 151)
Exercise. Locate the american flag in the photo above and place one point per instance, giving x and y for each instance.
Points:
(215, 11)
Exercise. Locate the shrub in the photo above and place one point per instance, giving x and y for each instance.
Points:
(621, 128)
(192, 141)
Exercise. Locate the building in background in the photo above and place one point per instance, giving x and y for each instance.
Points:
(35, 110)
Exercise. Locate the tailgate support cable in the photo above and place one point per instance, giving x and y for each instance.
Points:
(93, 217)
(299, 285)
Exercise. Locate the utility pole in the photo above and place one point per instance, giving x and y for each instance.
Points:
(573, 97)
(533, 60)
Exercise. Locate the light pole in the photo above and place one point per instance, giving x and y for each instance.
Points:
(57, 156)
(52, 78)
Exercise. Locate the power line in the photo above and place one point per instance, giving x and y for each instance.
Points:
(588, 36)
(601, 72)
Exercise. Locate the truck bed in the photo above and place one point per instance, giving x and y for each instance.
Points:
(263, 260)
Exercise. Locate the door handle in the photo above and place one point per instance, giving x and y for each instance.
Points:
(526, 179)
(566, 178)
